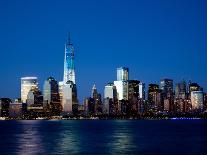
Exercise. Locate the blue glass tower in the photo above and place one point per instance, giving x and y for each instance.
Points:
(69, 68)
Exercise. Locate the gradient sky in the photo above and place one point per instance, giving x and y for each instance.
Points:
(155, 39)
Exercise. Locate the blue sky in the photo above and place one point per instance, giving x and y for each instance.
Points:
(155, 39)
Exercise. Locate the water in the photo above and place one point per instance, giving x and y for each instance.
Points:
(103, 137)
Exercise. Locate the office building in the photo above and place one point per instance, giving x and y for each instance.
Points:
(197, 100)
(122, 74)
(4, 107)
(27, 83)
(51, 96)
(69, 90)
(142, 91)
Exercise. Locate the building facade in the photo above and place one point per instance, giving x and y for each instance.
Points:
(69, 90)
(27, 83)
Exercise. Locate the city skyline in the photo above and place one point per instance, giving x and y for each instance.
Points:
(144, 42)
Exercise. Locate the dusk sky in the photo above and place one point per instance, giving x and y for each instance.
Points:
(155, 39)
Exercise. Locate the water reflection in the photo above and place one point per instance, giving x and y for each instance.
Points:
(122, 141)
(28, 139)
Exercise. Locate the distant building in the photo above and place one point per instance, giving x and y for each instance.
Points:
(97, 100)
(122, 74)
(180, 90)
(110, 91)
(60, 89)
(89, 106)
(142, 91)
(34, 97)
(15, 110)
(51, 96)
(166, 87)
(194, 87)
(69, 97)
(133, 89)
(27, 83)
(4, 107)
(197, 100)
(122, 89)
(154, 96)
(110, 105)
(69, 90)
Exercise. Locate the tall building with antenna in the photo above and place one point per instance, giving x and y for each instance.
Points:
(69, 91)
(69, 68)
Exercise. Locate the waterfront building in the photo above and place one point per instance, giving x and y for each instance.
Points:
(122, 74)
(142, 91)
(180, 90)
(15, 109)
(69, 90)
(27, 83)
(166, 87)
(34, 97)
(110, 105)
(97, 100)
(51, 96)
(197, 100)
(110, 91)
(154, 96)
(4, 107)
(122, 89)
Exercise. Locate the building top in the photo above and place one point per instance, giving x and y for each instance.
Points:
(28, 78)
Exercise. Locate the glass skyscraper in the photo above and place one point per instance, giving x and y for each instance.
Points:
(27, 83)
(69, 91)
(122, 74)
(69, 68)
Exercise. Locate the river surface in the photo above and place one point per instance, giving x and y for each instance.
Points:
(142, 137)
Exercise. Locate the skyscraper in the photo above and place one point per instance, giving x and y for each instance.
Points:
(69, 68)
(50, 92)
(122, 74)
(69, 91)
(142, 91)
(180, 90)
(166, 86)
(51, 96)
(27, 83)
(154, 96)
(122, 83)
(197, 98)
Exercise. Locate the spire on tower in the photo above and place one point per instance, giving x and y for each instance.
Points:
(69, 39)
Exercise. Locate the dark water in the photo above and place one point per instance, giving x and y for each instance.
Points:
(104, 137)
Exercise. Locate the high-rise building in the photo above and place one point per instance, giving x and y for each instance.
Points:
(60, 89)
(133, 89)
(154, 96)
(69, 67)
(197, 100)
(122, 89)
(194, 87)
(27, 83)
(122, 83)
(166, 87)
(69, 93)
(97, 100)
(122, 74)
(110, 99)
(34, 97)
(51, 92)
(180, 90)
(4, 107)
(110, 91)
(142, 91)
(51, 96)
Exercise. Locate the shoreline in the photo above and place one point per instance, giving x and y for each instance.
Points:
(94, 118)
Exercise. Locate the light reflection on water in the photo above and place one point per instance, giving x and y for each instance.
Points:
(29, 140)
(102, 137)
